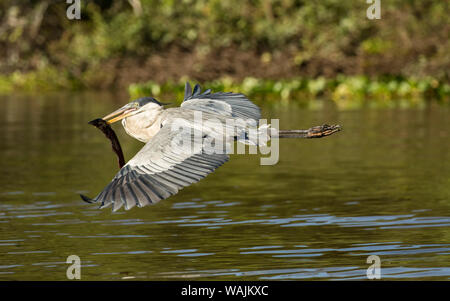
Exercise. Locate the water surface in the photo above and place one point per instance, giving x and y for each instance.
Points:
(380, 187)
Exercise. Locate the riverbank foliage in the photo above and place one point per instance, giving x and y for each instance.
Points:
(347, 92)
(283, 45)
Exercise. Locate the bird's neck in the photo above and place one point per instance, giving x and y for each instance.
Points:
(143, 126)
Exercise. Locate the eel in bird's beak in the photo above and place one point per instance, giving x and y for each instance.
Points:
(123, 112)
(104, 126)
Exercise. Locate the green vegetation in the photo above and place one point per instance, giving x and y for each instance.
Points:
(347, 92)
(47, 79)
(282, 47)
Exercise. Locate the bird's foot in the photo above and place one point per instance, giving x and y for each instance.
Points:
(323, 130)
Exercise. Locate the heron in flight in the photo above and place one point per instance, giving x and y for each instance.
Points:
(159, 170)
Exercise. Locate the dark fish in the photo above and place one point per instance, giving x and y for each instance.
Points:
(103, 126)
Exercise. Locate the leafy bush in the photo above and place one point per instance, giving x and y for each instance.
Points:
(319, 38)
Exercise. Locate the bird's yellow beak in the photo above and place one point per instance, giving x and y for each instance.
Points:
(119, 114)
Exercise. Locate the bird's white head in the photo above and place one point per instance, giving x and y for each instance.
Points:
(140, 118)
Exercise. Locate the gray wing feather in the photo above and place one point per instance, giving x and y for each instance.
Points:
(197, 90)
(187, 90)
(223, 103)
(157, 172)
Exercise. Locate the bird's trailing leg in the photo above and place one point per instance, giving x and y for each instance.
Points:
(314, 132)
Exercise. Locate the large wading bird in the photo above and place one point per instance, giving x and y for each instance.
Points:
(159, 170)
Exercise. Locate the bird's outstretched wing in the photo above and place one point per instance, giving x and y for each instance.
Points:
(159, 170)
(235, 105)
